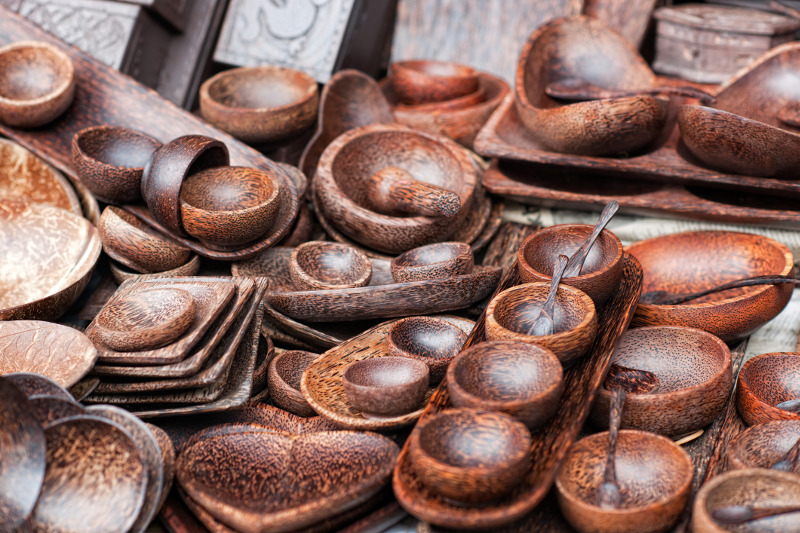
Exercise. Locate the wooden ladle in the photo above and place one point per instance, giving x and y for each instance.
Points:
(394, 189)
(544, 323)
(668, 298)
(575, 263)
(578, 90)
(739, 514)
(789, 460)
(608, 494)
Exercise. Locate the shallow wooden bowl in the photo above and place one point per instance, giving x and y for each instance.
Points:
(517, 378)
(321, 265)
(432, 340)
(37, 83)
(229, 206)
(693, 261)
(764, 381)
(763, 445)
(469, 455)
(755, 487)
(601, 271)
(694, 380)
(510, 316)
(433, 261)
(423, 81)
(110, 161)
(584, 48)
(260, 105)
(283, 377)
(386, 386)
(654, 476)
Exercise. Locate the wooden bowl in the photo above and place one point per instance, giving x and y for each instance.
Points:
(763, 445)
(37, 385)
(110, 161)
(694, 380)
(469, 455)
(123, 273)
(346, 170)
(285, 371)
(432, 340)
(145, 320)
(654, 475)
(517, 378)
(229, 206)
(511, 314)
(584, 48)
(320, 265)
(764, 381)
(47, 410)
(461, 102)
(433, 261)
(386, 386)
(601, 272)
(37, 83)
(126, 236)
(693, 261)
(259, 105)
(423, 81)
(755, 487)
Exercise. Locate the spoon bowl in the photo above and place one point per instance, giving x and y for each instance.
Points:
(320, 265)
(434, 341)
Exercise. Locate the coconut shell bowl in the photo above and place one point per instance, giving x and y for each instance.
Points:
(386, 386)
(694, 261)
(320, 265)
(585, 49)
(434, 341)
(284, 373)
(765, 446)
(764, 382)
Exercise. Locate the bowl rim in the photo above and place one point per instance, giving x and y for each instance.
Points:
(116, 218)
(411, 65)
(310, 87)
(265, 204)
(735, 451)
(56, 91)
(272, 368)
(399, 387)
(464, 250)
(743, 386)
(83, 154)
(393, 346)
(297, 268)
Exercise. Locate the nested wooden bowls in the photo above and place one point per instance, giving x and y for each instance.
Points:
(386, 386)
(654, 476)
(433, 261)
(37, 83)
(283, 377)
(517, 378)
(469, 455)
(320, 265)
(510, 316)
(422, 81)
(260, 104)
(601, 271)
(764, 381)
(434, 341)
(694, 380)
(763, 445)
(693, 261)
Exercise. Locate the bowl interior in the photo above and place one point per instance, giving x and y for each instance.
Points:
(543, 248)
(431, 254)
(518, 310)
(774, 378)
(381, 372)
(757, 488)
(291, 365)
(761, 446)
(28, 73)
(259, 88)
(145, 309)
(428, 337)
(227, 189)
(332, 262)
(119, 147)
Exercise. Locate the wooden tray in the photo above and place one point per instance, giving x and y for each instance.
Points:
(550, 443)
(322, 383)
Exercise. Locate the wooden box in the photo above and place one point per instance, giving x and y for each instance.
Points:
(709, 43)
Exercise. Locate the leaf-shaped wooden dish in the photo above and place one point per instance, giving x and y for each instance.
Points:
(550, 442)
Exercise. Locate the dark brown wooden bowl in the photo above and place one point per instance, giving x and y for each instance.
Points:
(321, 265)
(432, 340)
(584, 48)
(229, 206)
(110, 161)
(511, 314)
(37, 83)
(258, 105)
(433, 261)
(50, 409)
(763, 445)
(517, 378)
(601, 271)
(423, 81)
(285, 371)
(386, 386)
(38, 385)
(469, 455)
(764, 381)
(693, 261)
(654, 476)
(694, 380)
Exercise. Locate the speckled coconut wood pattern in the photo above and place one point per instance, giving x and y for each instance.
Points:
(433, 261)
(386, 386)
(763, 445)
(420, 81)
(321, 265)
(693, 261)
(284, 375)
(694, 380)
(766, 380)
(432, 340)
(38, 385)
(49, 409)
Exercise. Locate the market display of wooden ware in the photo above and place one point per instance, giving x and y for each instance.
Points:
(768, 387)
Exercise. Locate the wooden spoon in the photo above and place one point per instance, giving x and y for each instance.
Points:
(792, 406)
(395, 189)
(789, 460)
(609, 495)
(577, 259)
(630, 379)
(576, 89)
(544, 323)
(739, 514)
(669, 298)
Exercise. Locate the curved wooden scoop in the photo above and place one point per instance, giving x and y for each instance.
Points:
(630, 379)
(578, 90)
(393, 189)
(739, 514)
(669, 298)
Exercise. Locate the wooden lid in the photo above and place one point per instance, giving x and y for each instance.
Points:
(727, 18)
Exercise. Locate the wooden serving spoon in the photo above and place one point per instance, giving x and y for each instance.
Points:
(577, 259)
(545, 323)
(669, 298)
(739, 514)
(630, 379)
(578, 90)
(788, 461)
(395, 189)
(608, 494)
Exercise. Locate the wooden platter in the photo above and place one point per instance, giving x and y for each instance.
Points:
(550, 442)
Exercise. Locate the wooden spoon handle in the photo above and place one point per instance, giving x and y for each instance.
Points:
(747, 282)
(394, 189)
(545, 322)
(575, 263)
(578, 90)
(609, 496)
(739, 514)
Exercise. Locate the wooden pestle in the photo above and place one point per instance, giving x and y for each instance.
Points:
(394, 189)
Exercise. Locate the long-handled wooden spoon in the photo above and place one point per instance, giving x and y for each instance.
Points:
(739, 514)
(577, 259)
(609, 495)
(578, 90)
(545, 323)
(669, 298)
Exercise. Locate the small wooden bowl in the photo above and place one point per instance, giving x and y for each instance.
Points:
(386, 386)
(755, 487)
(145, 319)
(694, 380)
(763, 445)
(321, 265)
(423, 81)
(37, 83)
(262, 104)
(517, 378)
(693, 261)
(601, 272)
(285, 371)
(511, 314)
(123, 273)
(433, 261)
(434, 341)
(654, 475)
(110, 161)
(229, 206)
(470, 456)
(764, 381)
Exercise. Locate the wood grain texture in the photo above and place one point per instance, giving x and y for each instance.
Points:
(629, 19)
(285, 372)
(766, 380)
(38, 385)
